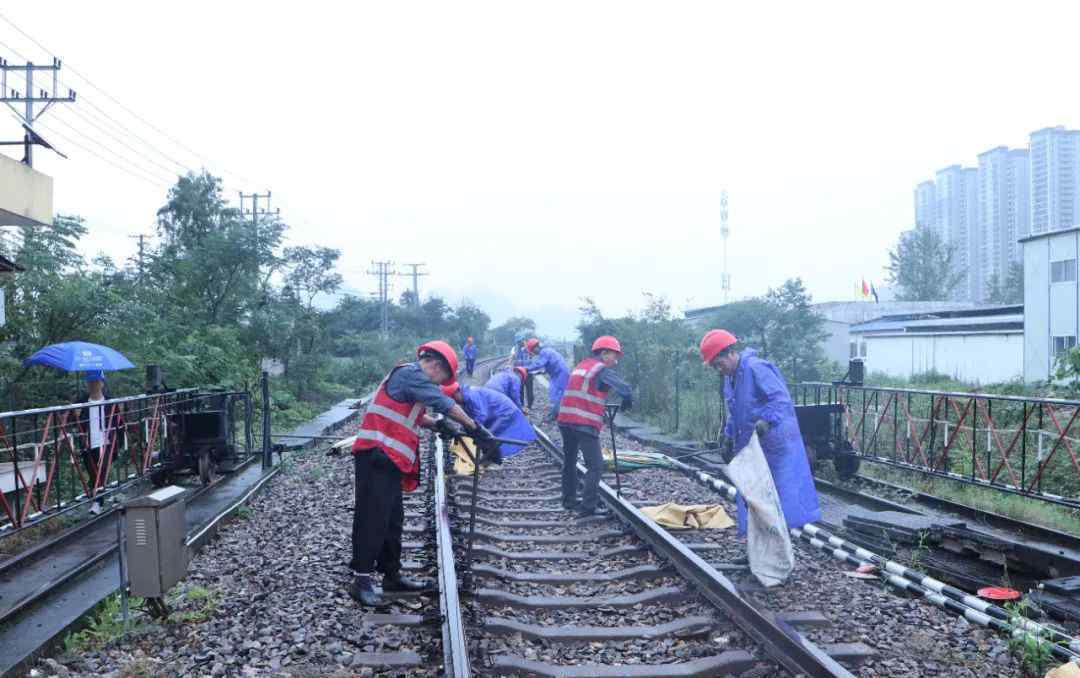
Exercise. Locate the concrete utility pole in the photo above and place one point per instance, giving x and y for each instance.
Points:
(28, 99)
(725, 277)
(142, 251)
(255, 211)
(416, 273)
(384, 269)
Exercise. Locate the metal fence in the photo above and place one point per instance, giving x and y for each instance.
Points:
(48, 464)
(1026, 446)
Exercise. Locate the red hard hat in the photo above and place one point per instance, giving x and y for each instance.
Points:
(522, 372)
(607, 342)
(531, 344)
(451, 388)
(715, 341)
(443, 349)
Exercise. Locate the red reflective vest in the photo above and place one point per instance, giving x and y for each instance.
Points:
(583, 402)
(392, 427)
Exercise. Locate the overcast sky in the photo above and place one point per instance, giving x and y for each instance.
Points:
(535, 153)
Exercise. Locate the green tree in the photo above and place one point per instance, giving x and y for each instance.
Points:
(504, 334)
(796, 333)
(923, 267)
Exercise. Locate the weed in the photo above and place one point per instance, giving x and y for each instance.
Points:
(1034, 653)
(317, 472)
(103, 628)
(917, 553)
(244, 512)
(204, 604)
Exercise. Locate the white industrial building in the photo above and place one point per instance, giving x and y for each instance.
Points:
(977, 345)
(1050, 300)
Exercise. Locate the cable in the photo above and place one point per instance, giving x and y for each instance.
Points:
(152, 182)
(145, 170)
(125, 108)
(123, 143)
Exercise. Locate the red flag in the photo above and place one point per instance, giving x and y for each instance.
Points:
(865, 289)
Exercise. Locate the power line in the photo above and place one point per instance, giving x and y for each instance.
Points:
(116, 101)
(157, 183)
(29, 98)
(167, 178)
(415, 280)
(384, 269)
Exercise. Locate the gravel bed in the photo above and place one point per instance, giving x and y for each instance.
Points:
(911, 638)
(267, 597)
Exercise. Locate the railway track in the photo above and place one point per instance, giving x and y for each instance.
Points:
(548, 593)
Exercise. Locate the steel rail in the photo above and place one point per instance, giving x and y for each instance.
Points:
(455, 648)
(784, 645)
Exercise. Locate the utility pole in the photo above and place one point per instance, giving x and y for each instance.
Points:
(725, 277)
(416, 273)
(255, 211)
(384, 269)
(11, 97)
(142, 252)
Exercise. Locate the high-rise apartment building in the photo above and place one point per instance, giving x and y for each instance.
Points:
(925, 205)
(1003, 211)
(1055, 179)
(956, 209)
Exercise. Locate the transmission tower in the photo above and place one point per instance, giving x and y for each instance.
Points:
(416, 273)
(142, 253)
(725, 277)
(383, 269)
(27, 115)
(255, 210)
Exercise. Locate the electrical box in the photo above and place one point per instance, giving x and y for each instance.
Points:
(156, 535)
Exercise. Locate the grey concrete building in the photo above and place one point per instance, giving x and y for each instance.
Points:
(1055, 179)
(1003, 211)
(1051, 318)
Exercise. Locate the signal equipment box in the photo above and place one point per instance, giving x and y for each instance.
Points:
(156, 534)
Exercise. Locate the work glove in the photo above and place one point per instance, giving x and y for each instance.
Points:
(727, 449)
(481, 435)
(447, 428)
(762, 427)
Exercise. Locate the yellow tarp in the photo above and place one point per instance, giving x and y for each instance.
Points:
(463, 465)
(1069, 670)
(698, 516)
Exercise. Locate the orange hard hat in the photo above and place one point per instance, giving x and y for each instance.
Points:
(443, 350)
(451, 388)
(714, 342)
(606, 342)
(522, 372)
(532, 344)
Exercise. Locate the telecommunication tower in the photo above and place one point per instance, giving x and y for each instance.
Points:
(725, 277)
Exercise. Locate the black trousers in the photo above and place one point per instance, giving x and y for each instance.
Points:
(378, 515)
(529, 390)
(589, 445)
(470, 363)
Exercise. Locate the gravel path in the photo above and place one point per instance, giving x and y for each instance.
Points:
(267, 597)
(911, 638)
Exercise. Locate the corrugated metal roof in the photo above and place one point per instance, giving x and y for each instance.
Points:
(990, 323)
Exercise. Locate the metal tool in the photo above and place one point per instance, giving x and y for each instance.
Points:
(610, 410)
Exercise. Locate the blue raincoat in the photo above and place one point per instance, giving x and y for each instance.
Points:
(507, 383)
(521, 356)
(551, 363)
(499, 415)
(759, 393)
(469, 350)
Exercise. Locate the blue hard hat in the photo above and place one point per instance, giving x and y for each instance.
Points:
(95, 375)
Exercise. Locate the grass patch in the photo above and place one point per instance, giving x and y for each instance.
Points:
(203, 601)
(26, 538)
(244, 512)
(105, 625)
(1022, 508)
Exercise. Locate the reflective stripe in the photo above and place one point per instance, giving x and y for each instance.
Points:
(594, 369)
(417, 408)
(584, 395)
(575, 412)
(383, 439)
(579, 373)
(408, 422)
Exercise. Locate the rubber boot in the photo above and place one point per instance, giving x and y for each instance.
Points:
(362, 590)
(395, 583)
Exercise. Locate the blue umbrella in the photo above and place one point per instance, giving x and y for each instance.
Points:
(79, 356)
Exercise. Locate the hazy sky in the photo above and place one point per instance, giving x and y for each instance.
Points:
(535, 153)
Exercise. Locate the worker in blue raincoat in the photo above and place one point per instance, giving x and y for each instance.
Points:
(495, 412)
(511, 383)
(757, 399)
(469, 351)
(549, 361)
(519, 357)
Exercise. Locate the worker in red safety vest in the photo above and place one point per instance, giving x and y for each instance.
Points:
(386, 462)
(581, 418)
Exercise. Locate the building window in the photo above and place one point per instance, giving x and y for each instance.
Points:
(1063, 271)
(854, 348)
(1063, 344)
(862, 349)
